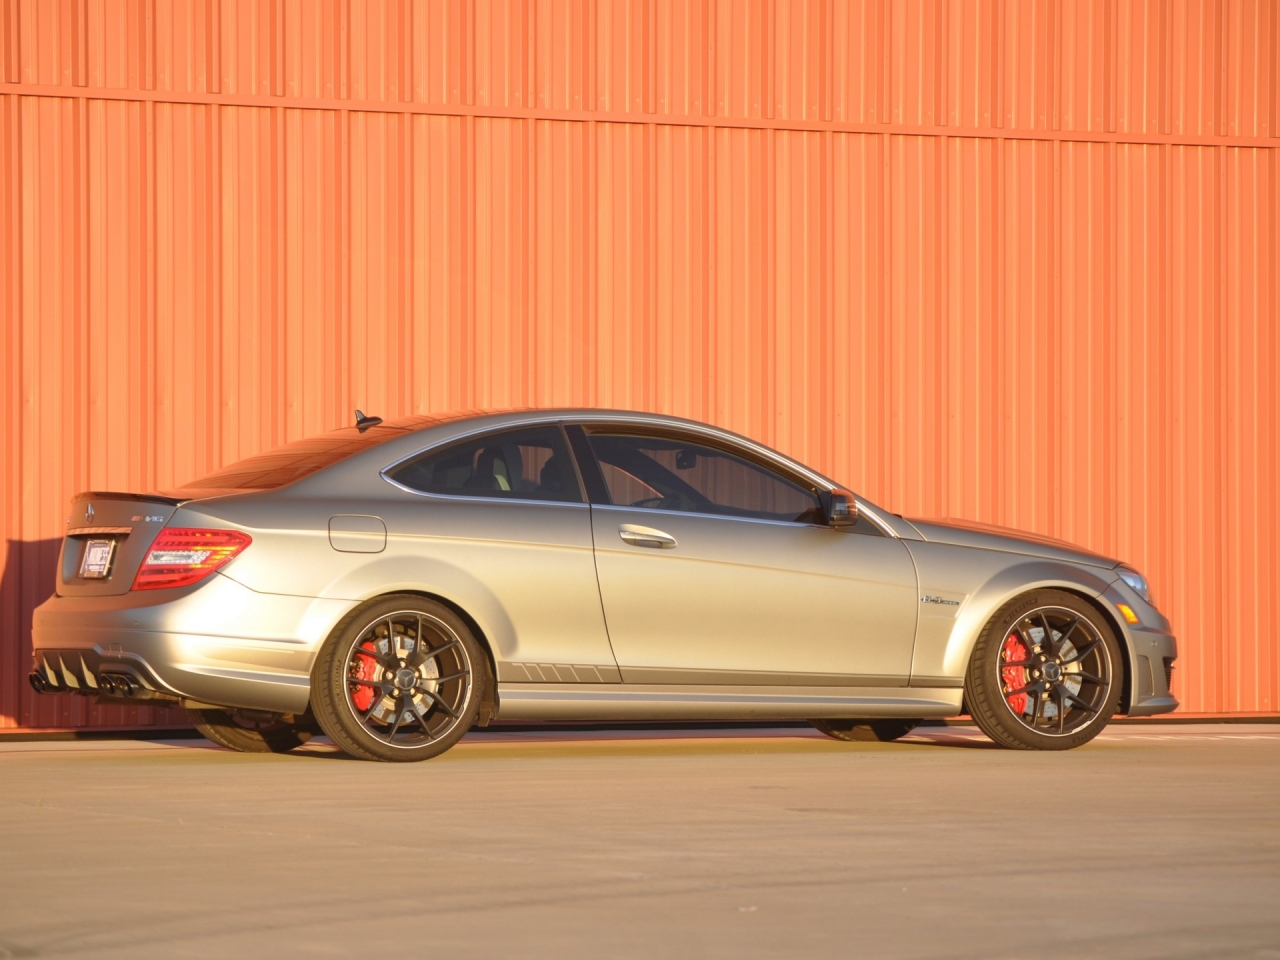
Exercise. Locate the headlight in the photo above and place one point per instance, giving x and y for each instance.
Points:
(1139, 583)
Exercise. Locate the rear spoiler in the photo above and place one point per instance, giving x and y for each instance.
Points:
(116, 495)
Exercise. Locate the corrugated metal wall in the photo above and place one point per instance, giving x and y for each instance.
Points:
(1011, 261)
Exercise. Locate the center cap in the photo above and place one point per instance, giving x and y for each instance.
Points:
(405, 678)
(1052, 671)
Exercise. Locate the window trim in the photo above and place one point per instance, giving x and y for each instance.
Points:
(622, 428)
(480, 434)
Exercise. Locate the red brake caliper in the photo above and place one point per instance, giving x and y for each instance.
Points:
(1015, 650)
(364, 668)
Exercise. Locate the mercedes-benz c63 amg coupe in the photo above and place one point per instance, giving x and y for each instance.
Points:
(395, 583)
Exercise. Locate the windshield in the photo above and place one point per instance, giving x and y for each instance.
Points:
(301, 458)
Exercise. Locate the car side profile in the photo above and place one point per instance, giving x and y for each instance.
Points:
(394, 584)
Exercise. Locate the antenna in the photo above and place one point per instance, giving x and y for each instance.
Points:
(363, 422)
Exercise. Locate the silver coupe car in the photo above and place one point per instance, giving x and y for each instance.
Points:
(394, 583)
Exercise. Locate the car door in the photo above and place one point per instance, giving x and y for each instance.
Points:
(715, 568)
(499, 523)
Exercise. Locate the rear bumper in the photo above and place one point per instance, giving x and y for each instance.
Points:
(219, 643)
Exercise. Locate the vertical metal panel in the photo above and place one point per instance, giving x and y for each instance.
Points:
(1006, 261)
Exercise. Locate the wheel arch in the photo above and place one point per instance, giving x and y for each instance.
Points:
(1007, 584)
(1076, 589)
(489, 696)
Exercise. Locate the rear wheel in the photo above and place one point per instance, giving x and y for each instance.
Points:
(866, 731)
(399, 679)
(249, 731)
(1045, 674)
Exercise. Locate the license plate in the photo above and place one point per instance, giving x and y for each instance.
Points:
(96, 564)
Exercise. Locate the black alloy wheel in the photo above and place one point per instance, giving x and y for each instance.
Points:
(1045, 674)
(399, 680)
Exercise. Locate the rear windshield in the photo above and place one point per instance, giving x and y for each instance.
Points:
(299, 459)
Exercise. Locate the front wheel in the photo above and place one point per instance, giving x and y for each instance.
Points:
(1045, 674)
(866, 731)
(399, 679)
(249, 732)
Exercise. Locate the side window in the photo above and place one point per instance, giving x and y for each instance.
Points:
(667, 474)
(528, 464)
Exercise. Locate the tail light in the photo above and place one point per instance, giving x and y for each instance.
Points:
(182, 555)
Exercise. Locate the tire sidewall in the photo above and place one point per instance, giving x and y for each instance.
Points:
(331, 704)
(984, 685)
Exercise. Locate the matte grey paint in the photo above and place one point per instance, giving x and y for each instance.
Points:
(833, 623)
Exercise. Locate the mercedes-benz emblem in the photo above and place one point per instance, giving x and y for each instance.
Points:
(88, 513)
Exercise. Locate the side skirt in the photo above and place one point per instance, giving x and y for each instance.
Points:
(600, 701)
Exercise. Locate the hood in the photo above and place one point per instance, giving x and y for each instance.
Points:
(968, 533)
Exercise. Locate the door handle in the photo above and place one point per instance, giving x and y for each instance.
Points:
(639, 536)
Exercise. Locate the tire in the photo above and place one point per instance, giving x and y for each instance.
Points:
(866, 731)
(1028, 694)
(231, 729)
(381, 695)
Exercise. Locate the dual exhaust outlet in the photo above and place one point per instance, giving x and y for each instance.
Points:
(109, 684)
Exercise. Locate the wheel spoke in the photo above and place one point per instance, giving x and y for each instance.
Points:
(395, 728)
(431, 654)
(377, 684)
(1089, 678)
(453, 676)
(1048, 634)
(441, 704)
(1017, 663)
(1082, 652)
(1025, 689)
(1066, 633)
(375, 656)
(377, 702)
(422, 722)
(1066, 694)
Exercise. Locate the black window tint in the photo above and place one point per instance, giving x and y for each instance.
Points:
(529, 464)
(668, 474)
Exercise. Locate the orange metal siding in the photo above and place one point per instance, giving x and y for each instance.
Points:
(1011, 261)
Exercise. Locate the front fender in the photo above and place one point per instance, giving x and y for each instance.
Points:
(978, 583)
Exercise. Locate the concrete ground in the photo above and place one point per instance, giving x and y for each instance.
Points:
(1150, 842)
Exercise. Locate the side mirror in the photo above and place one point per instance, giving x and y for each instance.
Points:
(842, 509)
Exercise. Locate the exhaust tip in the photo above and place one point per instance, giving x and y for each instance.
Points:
(125, 687)
(107, 684)
(39, 683)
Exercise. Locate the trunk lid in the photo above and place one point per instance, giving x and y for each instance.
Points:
(108, 535)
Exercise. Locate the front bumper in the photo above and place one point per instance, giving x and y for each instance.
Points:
(216, 643)
(1153, 656)
(1151, 648)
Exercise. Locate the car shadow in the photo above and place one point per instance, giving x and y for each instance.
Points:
(963, 742)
